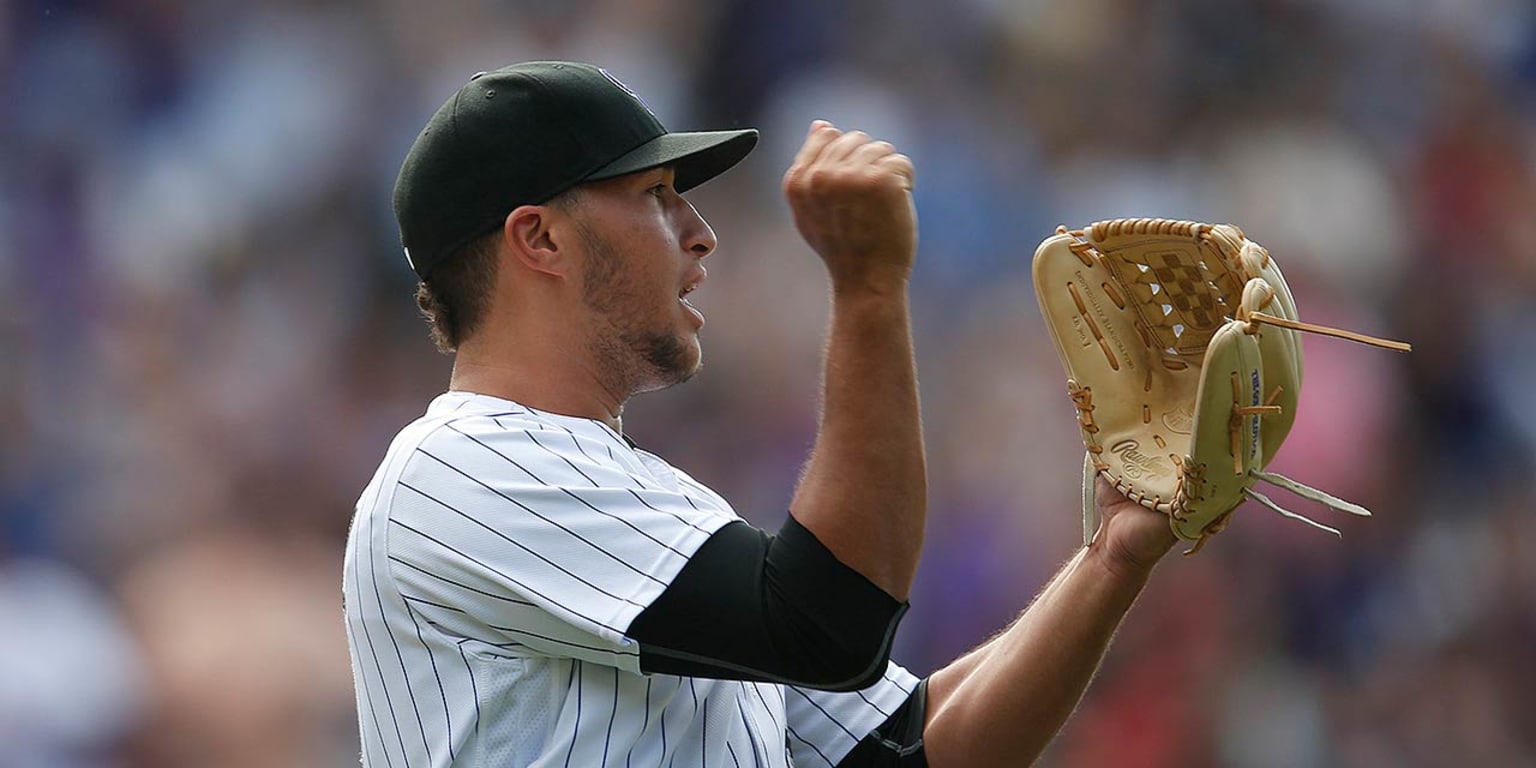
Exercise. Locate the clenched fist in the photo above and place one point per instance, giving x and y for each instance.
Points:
(852, 201)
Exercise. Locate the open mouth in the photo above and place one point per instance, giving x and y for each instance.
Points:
(682, 297)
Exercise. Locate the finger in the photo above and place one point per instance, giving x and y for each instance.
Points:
(817, 138)
(844, 145)
(897, 160)
(901, 165)
(873, 151)
(1106, 493)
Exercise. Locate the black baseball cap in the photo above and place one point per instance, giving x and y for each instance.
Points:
(521, 135)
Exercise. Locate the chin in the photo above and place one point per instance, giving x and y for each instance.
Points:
(691, 363)
(672, 360)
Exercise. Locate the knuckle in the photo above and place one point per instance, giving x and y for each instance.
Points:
(814, 181)
(900, 164)
(800, 186)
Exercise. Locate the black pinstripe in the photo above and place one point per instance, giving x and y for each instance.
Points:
(823, 711)
(515, 543)
(474, 689)
(368, 698)
(432, 658)
(414, 599)
(572, 494)
(612, 716)
(757, 688)
(653, 508)
(574, 676)
(703, 723)
(662, 718)
(872, 704)
(405, 676)
(607, 431)
(447, 580)
(557, 455)
(529, 510)
(757, 756)
(813, 747)
(566, 643)
(383, 683)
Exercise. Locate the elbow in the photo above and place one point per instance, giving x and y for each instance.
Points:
(837, 654)
(854, 672)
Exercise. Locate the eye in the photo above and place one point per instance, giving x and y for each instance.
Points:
(660, 190)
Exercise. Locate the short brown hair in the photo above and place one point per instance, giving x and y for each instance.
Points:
(454, 300)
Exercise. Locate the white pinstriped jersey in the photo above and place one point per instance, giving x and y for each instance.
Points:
(495, 562)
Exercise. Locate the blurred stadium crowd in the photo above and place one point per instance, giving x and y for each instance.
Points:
(207, 339)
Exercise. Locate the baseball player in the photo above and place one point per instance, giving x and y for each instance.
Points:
(526, 586)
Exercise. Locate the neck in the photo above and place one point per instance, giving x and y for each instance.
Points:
(548, 377)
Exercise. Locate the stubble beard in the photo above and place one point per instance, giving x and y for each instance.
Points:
(633, 358)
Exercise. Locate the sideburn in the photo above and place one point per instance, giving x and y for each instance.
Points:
(661, 358)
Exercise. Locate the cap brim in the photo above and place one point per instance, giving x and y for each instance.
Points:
(697, 156)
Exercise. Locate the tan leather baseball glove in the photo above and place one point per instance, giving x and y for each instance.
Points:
(1181, 346)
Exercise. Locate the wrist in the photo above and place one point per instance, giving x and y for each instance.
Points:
(1120, 561)
(883, 287)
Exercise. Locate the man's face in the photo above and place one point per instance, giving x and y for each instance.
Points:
(643, 246)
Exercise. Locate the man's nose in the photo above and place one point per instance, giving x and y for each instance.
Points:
(699, 238)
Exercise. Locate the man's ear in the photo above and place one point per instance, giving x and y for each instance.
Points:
(530, 233)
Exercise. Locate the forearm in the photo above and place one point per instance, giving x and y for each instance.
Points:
(961, 668)
(1002, 704)
(864, 490)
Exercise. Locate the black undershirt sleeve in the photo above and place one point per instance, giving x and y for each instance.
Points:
(898, 742)
(782, 608)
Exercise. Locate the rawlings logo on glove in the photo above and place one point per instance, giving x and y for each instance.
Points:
(1181, 346)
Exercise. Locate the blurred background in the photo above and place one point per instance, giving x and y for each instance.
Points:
(207, 339)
